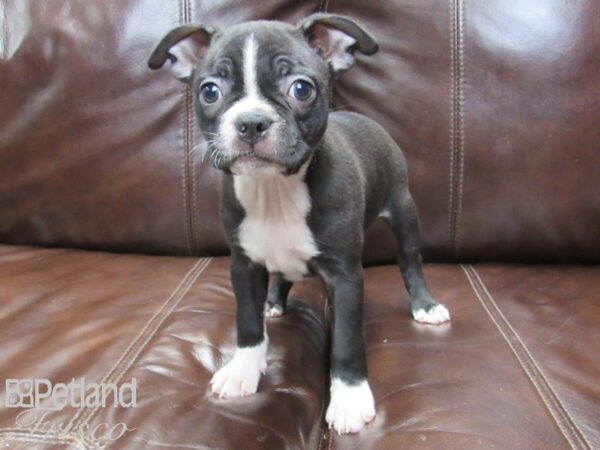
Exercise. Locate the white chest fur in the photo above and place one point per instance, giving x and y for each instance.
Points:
(274, 231)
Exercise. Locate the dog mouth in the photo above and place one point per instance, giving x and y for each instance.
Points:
(250, 162)
(249, 155)
(252, 157)
(284, 156)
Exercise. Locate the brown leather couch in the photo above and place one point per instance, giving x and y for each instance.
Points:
(497, 107)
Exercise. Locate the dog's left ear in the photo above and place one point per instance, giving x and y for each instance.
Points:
(336, 38)
(183, 47)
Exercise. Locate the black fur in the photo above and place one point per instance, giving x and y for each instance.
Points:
(356, 173)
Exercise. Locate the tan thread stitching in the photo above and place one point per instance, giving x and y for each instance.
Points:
(194, 209)
(169, 306)
(559, 413)
(507, 339)
(456, 171)
(323, 5)
(183, 17)
(49, 434)
(50, 438)
(189, 145)
(571, 422)
(191, 123)
(183, 178)
(128, 358)
(190, 170)
(136, 339)
(451, 126)
(461, 125)
(140, 336)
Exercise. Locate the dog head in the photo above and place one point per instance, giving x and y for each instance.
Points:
(261, 89)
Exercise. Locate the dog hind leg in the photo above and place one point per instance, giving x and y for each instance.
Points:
(277, 296)
(401, 215)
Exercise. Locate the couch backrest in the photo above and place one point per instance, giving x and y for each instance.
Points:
(495, 104)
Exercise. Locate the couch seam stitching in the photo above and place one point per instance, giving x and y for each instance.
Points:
(81, 416)
(456, 125)
(197, 270)
(9, 434)
(33, 440)
(538, 380)
(190, 170)
(188, 143)
(109, 374)
(194, 212)
(451, 14)
(183, 178)
(191, 141)
(184, 149)
(571, 422)
(461, 124)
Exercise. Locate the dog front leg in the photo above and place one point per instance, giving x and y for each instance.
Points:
(351, 404)
(241, 376)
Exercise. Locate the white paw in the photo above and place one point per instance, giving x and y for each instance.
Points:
(273, 311)
(437, 314)
(350, 407)
(241, 376)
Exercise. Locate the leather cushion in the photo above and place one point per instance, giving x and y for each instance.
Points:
(496, 114)
(523, 377)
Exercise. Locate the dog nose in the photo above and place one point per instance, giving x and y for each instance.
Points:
(252, 127)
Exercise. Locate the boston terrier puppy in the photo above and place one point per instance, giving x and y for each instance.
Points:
(300, 185)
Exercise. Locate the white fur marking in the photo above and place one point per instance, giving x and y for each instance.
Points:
(241, 376)
(273, 311)
(274, 231)
(350, 407)
(253, 101)
(385, 214)
(249, 64)
(437, 314)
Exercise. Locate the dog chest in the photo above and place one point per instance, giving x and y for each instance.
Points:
(274, 231)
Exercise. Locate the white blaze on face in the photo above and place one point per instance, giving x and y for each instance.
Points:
(250, 82)
(252, 101)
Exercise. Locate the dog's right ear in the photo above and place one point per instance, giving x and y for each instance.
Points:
(183, 47)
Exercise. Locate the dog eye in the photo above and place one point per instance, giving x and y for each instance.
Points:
(209, 93)
(302, 90)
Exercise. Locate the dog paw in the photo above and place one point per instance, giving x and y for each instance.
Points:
(351, 407)
(241, 376)
(434, 315)
(273, 311)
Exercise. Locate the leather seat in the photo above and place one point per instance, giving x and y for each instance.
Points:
(516, 367)
(114, 267)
